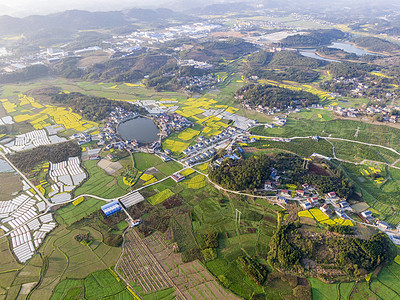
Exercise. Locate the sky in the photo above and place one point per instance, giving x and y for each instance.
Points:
(22, 8)
(29, 7)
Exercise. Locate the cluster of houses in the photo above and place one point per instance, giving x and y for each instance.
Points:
(284, 140)
(204, 142)
(197, 82)
(120, 114)
(82, 138)
(168, 123)
(273, 110)
(200, 157)
(329, 205)
(369, 218)
(194, 63)
(350, 112)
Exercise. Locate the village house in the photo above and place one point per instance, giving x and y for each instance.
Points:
(300, 193)
(383, 225)
(368, 216)
(331, 196)
(177, 177)
(313, 201)
(326, 210)
(306, 205)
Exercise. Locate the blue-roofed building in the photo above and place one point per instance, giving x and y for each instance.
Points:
(111, 208)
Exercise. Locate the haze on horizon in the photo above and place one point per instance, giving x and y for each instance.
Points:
(21, 8)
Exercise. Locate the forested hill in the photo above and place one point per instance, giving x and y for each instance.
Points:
(75, 20)
(273, 96)
(314, 38)
(90, 107)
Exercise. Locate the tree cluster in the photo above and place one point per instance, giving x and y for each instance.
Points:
(353, 255)
(291, 74)
(273, 96)
(295, 59)
(254, 269)
(314, 38)
(297, 173)
(84, 238)
(281, 250)
(242, 174)
(26, 161)
(375, 44)
(90, 107)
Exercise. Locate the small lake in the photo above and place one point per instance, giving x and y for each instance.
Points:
(349, 48)
(311, 53)
(142, 129)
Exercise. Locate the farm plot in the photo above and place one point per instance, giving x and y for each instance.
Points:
(99, 183)
(160, 197)
(99, 284)
(320, 217)
(196, 182)
(192, 280)
(138, 266)
(72, 213)
(47, 115)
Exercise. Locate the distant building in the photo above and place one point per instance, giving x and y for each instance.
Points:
(268, 185)
(136, 222)
(111, 208)
(383, 225)
(285, 193)
(367, 216)
(177, 177)
(331, 195)
(300, 193)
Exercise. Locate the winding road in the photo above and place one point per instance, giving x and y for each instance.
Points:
(269, 198)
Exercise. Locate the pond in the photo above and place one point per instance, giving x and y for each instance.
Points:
(311, 53)
(349, 48)
(140, 128)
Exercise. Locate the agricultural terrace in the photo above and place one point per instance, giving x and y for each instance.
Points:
(380, 190)
(211, 211)
(191, 279)
(345, 129)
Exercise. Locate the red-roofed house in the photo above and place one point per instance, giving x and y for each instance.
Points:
(177, 177)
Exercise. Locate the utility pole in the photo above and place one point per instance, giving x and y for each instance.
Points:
(238, 213)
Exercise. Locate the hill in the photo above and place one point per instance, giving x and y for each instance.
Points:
(314, 38)
(375, 44)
